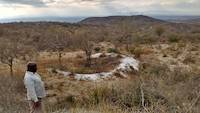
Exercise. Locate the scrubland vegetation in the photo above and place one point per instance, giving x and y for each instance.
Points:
(168, 80)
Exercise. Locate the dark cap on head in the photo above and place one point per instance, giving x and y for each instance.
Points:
(32, 67)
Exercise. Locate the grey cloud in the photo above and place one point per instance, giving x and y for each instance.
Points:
(189, 5)
(109, 7)
(100, 1)
(181, 7)
(36, 3)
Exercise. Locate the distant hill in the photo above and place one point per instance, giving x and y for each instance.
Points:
(43, 19)
(143, 25)
(138, 19)
(180, 19)
(193, 21)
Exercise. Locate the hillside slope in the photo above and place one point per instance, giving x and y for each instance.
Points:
(140, 19)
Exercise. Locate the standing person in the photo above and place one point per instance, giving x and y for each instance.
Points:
(35, 89)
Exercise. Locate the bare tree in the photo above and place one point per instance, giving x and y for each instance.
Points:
(58, 40)
(10, 50)
(159, 31)
(84, 40)
(125, 32)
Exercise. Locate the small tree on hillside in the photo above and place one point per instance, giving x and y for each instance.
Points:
(58, 40)
(84, 40)
(125, 31)
(11, 50)
(159, 31)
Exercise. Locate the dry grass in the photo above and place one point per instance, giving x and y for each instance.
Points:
(12, 95)
(161, 89)
(164, 92)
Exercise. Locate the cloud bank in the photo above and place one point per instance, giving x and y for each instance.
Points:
(17, 8)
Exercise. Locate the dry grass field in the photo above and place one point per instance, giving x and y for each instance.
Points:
(167, 81)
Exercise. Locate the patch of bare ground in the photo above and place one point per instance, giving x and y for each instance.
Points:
(176, 55)
(77, 64)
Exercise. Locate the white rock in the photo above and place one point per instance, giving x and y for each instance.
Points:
(63, 72)
(97, 55)
(127, 64)
(90, 77)
(111, 54)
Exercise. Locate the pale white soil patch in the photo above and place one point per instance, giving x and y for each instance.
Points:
(127, 64)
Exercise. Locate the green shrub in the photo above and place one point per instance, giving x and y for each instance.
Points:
(173, 39)
(159, 30)
(112, 50)
(97, 49)
(136, 51)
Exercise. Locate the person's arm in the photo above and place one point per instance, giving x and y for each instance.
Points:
(31, 89)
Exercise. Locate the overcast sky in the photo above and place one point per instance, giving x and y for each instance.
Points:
(63, 8)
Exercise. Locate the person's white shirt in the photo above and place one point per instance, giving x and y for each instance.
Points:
(35, 86)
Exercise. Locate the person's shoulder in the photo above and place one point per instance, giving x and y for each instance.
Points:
(27, 75)
(37, 75)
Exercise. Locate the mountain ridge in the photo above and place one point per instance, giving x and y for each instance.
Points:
(117, 19)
